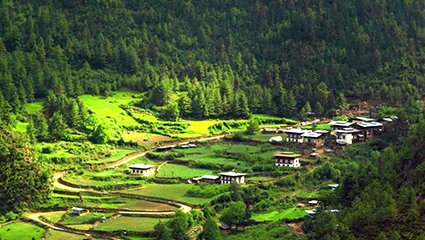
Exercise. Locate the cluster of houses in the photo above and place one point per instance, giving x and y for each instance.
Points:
(222, 178)
(357, 129)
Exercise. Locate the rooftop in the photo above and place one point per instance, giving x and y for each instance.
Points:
(296, 131)
(232, 174)
(369, 124)
(287, 154)
(77, 209)
(347, 130)
(311, 135)
(141, 166)
(363, 119)
(341, 123)
(210, 177)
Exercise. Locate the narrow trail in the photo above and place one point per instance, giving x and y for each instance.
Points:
(296, 229)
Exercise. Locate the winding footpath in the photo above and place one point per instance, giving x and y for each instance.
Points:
(61, 185)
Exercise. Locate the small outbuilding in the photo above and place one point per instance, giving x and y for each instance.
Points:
(79, 211)
(276, 139)
(206, 179)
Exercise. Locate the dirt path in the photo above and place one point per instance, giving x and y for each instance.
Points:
(296, 229)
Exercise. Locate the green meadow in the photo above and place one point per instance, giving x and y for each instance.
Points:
(180, 171)
(281, 215)
(137, 224)
(170, 191)
(108, 109)
(21, 230)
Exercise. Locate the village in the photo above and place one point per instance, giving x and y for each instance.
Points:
(341, 135)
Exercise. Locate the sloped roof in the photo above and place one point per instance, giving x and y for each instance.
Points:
(287, 154)
(232, 174)
(141, 166)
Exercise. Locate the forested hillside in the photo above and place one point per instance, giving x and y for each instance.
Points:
(225, 58)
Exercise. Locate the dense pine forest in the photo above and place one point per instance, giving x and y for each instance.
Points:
(220, 59)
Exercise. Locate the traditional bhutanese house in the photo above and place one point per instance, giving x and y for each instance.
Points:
(230, 177)
(79, 211)
(348, 136)
(339, 125)
(165, 148)
(269, 130)
(287, 159)
(206, 179)
(142, 169)
(369, 129)
(295, 135)
(313, 138)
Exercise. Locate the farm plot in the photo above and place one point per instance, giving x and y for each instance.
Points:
(177, 192)
(286, 214)
(21, 230)
(137, 224)
(169, 170)
(53, 217)
(59, 235)
(227, 154)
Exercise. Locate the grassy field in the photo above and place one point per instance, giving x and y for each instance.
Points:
(169, 191)
(143, 138)
(221, 153)
(108, 109)
(115, 154)
(263, 232)
(72, 219)
(140, 224)
(264, 138)
(181, 171)
(286, 214)
(21, 230)
(197, 128)
(54, 217)
(59, 235)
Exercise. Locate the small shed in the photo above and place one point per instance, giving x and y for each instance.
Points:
(79, 211)
(276, 139)
(206, 179)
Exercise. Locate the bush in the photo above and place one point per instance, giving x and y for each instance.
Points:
(47, 150)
